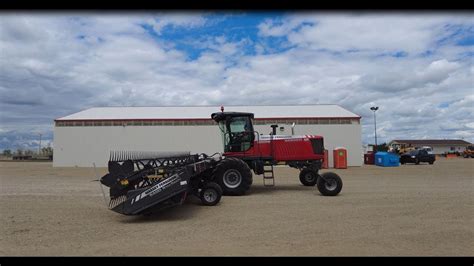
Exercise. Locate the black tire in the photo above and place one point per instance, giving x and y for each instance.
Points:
(233, 175)
(210, 194)
(329, 184)
(431, 162)
(417, 161)
(308, 177)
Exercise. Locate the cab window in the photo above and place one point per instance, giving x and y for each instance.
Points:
(238, 124)
(240, 134)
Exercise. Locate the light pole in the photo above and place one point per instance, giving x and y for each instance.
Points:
(39, 148)
(375, 108)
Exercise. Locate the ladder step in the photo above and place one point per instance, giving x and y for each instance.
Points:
(268, 169)
(269, 184)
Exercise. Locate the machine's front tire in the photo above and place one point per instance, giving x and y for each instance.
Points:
(210, 194)
(233, 175)
(308, 177)
(329, 184)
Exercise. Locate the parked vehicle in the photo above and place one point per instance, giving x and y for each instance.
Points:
(417, 156)
(428, 149)
(469, 152)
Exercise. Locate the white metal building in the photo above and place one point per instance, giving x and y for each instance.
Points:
(87, 137)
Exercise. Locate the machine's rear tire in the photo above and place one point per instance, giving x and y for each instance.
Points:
(308, 177)
(233, 176)
(329, 184)
(210, 194)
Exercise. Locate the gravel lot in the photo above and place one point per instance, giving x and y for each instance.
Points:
(412, 210)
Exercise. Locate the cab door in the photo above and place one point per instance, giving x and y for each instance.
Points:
(239, 134)
(423, 156)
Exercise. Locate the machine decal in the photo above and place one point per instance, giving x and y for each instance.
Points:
(157, 188)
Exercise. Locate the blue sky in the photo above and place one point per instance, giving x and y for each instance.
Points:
(233, 27)
(416, 67)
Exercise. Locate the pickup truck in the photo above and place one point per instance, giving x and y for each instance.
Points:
(417, 156)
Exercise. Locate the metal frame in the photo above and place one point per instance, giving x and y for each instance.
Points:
(134, 168)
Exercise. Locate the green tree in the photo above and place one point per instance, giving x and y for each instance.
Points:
(382, 147)
(47, 151)
(7, 152)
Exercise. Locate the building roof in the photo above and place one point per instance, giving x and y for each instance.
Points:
(429, 142)
(204, 112)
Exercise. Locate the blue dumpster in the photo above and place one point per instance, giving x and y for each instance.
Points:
(387, 159)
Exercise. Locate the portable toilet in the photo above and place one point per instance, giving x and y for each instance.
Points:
(387, 159)
(340, 158)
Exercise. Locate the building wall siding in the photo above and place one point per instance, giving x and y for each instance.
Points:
(83, 146)
(447, 148)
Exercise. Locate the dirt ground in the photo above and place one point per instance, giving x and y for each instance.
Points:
(412, 210)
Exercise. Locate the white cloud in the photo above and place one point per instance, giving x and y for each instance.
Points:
(190, 20)
(277, 29)
(438, 71)
(464, 134)
(412, 33)
(62, 64)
